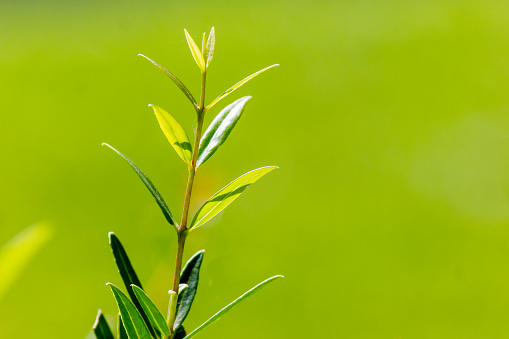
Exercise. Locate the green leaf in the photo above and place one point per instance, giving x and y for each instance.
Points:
(132, 320)
(153, 190)
(129, 277)
(174, 133)
(190, 276)
(219, 129)
(101, 328)
(153, 314)
(211, 44)
(177, 82)
(122, 334)
(18, 252)
(237, 85)
(195, 50)
(230, 306)
(226, 195)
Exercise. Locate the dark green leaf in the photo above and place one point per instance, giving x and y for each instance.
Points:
(126, 270)
(153, 190)
(101, 327)
(133, 322)
(177, 82)
(190, 276)
(230, 306)
(226, 195)
(151, 310)
(122, 334)
(219, 129)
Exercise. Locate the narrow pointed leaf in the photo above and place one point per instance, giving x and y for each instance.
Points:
(153, 190)
(175, 134)
(133, 322)
(129, 277)
(190, 276)
(237, 85)
(195, 50)
(219, 129)
(154, 315)
(180, 333)
(211, 44)
(230, 306)
(122, 334)
(176, 80)
(226, 195)
(101, 328)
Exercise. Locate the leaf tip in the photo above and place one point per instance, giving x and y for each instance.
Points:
(96, 324)
(111, 236)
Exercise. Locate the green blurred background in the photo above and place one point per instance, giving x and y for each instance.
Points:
(389, 121)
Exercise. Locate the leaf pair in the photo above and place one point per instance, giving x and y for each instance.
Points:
(139, 315)
(207, 49)
(215, 135)
(133, 322)
(203, 59)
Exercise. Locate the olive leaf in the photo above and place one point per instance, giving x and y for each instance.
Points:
(189, 276)
(195, 51)
(237, 85)
(154, 315)
(153, 190)
(226, 195)
(230, 306)
(133, 322)
(175, 134)
(219, 129)
(101, 328)
(176, 80)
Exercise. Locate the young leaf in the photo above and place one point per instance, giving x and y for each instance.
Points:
(226, 195)
(219, 129)
(153, 190)
(122, 334)
(230, 306)
(101, 328)
(153, 314)
(129, 277)
(237, 85)
(190, 276)
(174, 133)
(177, 82)
(211, 44)
(195, 50)
(132, 320)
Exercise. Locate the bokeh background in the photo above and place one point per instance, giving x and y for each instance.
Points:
(389, 215)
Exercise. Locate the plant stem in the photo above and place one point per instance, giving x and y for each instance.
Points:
(182, 234)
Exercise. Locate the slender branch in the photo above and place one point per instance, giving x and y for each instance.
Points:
(189, 189)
